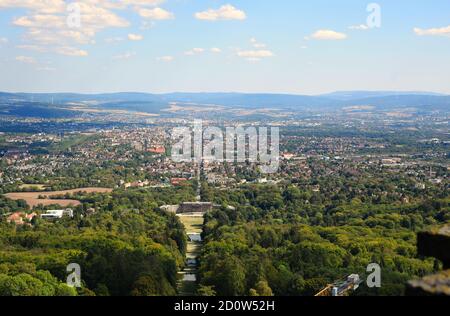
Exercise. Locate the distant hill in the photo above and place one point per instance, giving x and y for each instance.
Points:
(35, 109)
(253, 100)
(355, 95)
(421, 102)
(74, 97)
(60, 104)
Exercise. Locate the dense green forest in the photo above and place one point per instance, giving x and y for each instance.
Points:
(287, 241)
(127, 247)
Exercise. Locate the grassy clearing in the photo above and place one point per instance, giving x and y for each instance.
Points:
(193, 224)
(37, 187)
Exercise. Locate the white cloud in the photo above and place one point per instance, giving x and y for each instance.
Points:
(361, 27)
(327, 35)
(194, 51)
(47, 28)
(255, 55)
(156, 14)
(225, 12)
(166, 59)
(45, 7)
(3, 40)
(135, 37)
(33, 47)
(40, 21)
(71, 51)
(62, 50)
(442, 31)
(26, 59)
(123, 56)
(111, 40)
(143, 3)
(216, 50)
(259, 51)
(256, 44)
(93, 19)
(146, 25)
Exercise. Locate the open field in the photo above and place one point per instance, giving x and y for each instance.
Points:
(111, 111)
(39, 187)
(175, 107)
(32, 198)
(193, 223)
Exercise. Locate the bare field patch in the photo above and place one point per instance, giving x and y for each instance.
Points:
(40, 187)
(32, 198)
(192, 107)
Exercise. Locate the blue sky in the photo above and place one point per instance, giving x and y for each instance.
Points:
(285, 46)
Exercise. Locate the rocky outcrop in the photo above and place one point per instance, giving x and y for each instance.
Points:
(432, 285)
(434, 243)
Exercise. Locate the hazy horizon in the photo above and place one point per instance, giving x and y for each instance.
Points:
(404, 92)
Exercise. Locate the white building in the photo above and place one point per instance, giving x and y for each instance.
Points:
(57, 214)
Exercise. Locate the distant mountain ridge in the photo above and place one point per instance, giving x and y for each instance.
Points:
(354, 95)
(154, 103)
(195, 96)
